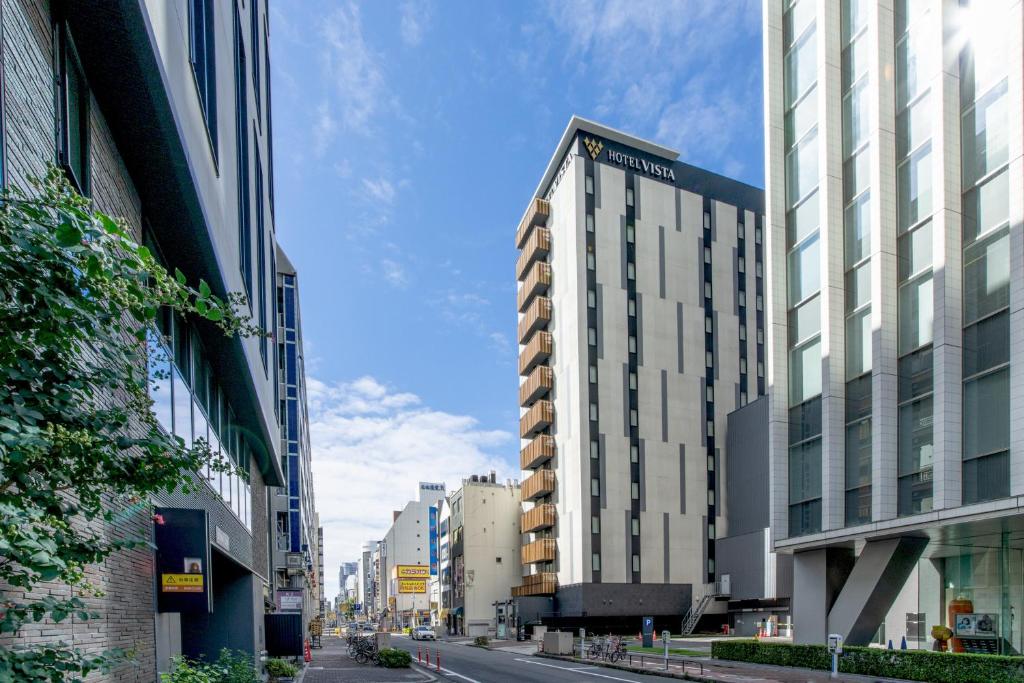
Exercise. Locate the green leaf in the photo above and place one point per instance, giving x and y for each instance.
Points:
(68, 235)
(179, 276)
(204, 289)
(215, 314)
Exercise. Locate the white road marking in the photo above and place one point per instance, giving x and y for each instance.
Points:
(580, 670)
(452, 673)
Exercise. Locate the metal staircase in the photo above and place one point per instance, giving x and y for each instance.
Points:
(710, 592)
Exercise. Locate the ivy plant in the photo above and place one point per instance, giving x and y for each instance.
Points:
(79, 442)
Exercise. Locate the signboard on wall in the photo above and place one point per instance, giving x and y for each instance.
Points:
(406, 586)
(412, 571)
(182, 561)
(432, 526)
(288, 600)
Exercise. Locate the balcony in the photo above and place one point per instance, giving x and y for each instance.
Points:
(537, 452)
(542, 550)
(537, 418)
(541, 583)
(535, 352)
(537, 282)
(537, 385)
(540, 517)
(537, 316)
(537, 214)
(538, 484)
(535, 248)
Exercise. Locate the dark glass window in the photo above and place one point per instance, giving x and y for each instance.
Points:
(987, 344)
(202, 55)
(72, 113)
(986, 478)
(254, 46)
(805, 420)
(242, 160)
(261, 257)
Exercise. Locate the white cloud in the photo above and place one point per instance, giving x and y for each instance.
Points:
(353, 68)
(414, 21)
(394, 273)
(324, 129)
(372, 445)
(380, 189)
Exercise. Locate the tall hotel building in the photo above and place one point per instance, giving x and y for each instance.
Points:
(640, 328)
(894, 202)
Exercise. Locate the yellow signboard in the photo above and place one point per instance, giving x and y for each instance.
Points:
(412, 585)
(181, 583)
(412, 571)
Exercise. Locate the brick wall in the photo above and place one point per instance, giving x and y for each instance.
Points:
(125, 580)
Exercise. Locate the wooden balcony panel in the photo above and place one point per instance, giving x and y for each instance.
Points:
(537, 518)
(536, 351)
(538, 484)
(542, 583)
(542, 550)
(536, 247)
(537, 452)
(537, 316)
(536, 214)
(537, 282)
(540, 416)
(537, 385)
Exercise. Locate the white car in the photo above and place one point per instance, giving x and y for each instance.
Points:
(422, 633)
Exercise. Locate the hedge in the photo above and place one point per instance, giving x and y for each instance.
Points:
(912, 665)
(394, 658)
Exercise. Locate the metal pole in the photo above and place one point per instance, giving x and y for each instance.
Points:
(835, 664)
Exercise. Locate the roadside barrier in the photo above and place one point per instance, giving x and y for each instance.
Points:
(437, 657)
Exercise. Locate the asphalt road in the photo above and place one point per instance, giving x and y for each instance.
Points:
(468, 664)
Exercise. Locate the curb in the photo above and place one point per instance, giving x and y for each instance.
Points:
(631, 669)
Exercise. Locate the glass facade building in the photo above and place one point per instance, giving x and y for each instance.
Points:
(894, 143)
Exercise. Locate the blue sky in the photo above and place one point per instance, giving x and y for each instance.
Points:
(408, 140)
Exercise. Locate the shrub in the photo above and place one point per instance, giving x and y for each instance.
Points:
(913, 665)
(236, 667)
(394, 658)
(279, 668)
(186, 671)
(481, 641)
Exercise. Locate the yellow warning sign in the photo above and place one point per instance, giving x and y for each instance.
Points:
(181, 583)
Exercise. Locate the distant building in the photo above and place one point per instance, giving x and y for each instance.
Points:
(406, 559)
(479, 545)
(367, 585)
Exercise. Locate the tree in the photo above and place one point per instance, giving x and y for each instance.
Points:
(78, 301)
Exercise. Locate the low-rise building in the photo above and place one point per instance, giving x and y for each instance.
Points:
(479, 548)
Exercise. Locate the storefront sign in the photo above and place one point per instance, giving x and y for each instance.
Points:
(182, 561)
(412, 586)
(412, 571)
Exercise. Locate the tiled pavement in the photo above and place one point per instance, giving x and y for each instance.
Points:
(331, 664)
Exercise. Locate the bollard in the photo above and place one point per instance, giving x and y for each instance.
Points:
(437, 657)
(428, 657)
(419, 654)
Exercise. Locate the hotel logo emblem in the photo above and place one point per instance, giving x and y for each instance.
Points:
(594, 147)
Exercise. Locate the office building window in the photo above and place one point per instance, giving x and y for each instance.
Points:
(636, 563)
(593, 411)
(707, 254)
(743, 328)
(632, 381)
(202, 55)
(242, 162)
(591, 298)
(742, 296)
(631, 308)
(634, 454)
(634, 418)
(595, 524)
(590, 222)
(632, 344)
(630, 234)
(592, 336)
(631, 271)
(709, 324)
(254, 28)
(709, 358)
(593, 374)
(589, 184)
(595, 562)
(595, 449)
(634, 490)
(595, 487)
(635, 524)
(73, 102)
(741, 264)
(707, 290)
(711, 427)
(709, 393)
(629, 196)
(591, 262)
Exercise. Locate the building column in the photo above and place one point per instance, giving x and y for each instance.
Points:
(819, 576)
(947, 273)
(833, 290)
(1015, 130)
(775, 275)
(883, 272)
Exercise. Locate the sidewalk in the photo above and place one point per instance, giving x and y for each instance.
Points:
(706, 669)
(331, 664)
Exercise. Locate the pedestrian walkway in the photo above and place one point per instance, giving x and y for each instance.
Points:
(734, 672)
(331, 664)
